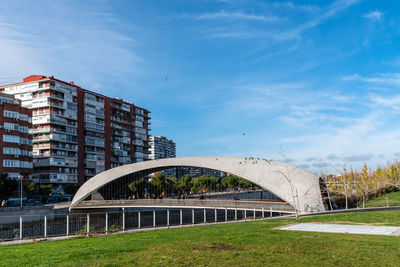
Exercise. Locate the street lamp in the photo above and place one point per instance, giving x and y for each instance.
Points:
(20, 177)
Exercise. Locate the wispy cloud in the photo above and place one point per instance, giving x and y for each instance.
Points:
(66, 44)
(327, 13)
(374, 15)
(235, 16)
(392, 79)
(298, 7)
(362, 157)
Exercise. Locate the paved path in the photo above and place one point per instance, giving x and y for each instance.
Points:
(344, 228)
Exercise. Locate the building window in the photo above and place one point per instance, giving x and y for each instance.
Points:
(11, 139)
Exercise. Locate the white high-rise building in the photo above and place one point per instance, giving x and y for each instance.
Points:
(161, 147)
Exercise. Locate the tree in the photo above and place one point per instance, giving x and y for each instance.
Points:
(243, 183)
(157, 184)
(343, 185)
(205, 182)
(185, 183)
(172, 185)
(31, 188)
(137, 187)
(7, 185)
(71, 189)
(45, 189)
(230, 182)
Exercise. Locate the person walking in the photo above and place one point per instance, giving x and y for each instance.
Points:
(3, 203)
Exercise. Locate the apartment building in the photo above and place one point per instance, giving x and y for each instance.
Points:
(161, 147)
(78, 133)
(15, 140)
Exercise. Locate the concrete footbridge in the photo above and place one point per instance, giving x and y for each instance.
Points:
(297, 187)
(279, 207)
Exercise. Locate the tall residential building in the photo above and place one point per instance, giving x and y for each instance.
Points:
(15, 140)
(78, 133)
(161, 147)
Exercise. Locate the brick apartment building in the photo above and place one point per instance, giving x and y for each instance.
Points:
(15, 140)
(78, 133)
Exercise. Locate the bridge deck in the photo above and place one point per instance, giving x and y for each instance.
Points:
(187, 203)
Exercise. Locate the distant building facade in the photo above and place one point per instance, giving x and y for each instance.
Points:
(15, 140)
(78, 133)
(161, 147)
(197, 172)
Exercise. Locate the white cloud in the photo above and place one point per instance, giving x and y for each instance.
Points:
(82, 43)
(235, 16)
(392, 79)
(374, 15)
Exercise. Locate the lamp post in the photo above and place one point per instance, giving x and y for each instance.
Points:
(20, 177)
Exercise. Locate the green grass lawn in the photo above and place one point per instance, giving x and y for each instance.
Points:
(255, 243)
(393, 200)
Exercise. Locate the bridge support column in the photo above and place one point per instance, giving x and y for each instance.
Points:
(192, 216)
(107, 223)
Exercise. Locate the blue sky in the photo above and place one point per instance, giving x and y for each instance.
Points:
(314, 83)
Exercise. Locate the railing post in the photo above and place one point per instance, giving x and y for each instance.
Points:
(106, 222)
(45, 226)
(192, 216)
(254, 213)
(205, 216)
(154, 218)
(87, 223)
(216, 215)
(270, 212)
(123, 219)
(245, 214)
(168, 218)
(262, 210)
(67, 230)
(180, 217)
(138, 219)
(235, 214)
(20, 228)
(226, 214)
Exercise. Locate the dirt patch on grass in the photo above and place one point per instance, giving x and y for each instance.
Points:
(217, 246)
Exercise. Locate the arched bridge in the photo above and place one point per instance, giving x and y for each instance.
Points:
(299, 188)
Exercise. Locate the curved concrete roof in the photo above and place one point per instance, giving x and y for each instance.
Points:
(298, 187)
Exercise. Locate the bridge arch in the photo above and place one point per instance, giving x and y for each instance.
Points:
(296, 186)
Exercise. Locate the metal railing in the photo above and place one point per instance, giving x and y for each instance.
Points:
(187, 203)
(41, 227)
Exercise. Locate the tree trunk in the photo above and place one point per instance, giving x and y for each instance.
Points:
(363, 200)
